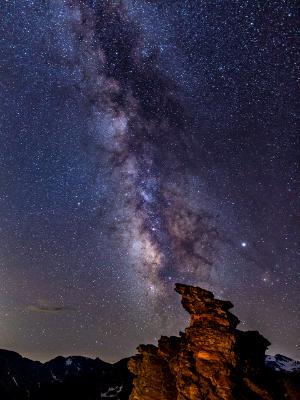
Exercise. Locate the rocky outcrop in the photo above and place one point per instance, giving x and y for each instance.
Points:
(211, 360)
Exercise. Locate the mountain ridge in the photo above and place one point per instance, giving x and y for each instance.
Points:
(75, 377)
(210, 360)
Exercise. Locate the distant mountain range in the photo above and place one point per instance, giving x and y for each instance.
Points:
(282, 363)
(210, 360)
(62, 378)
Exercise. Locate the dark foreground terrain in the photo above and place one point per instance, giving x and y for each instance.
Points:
(211, 360)
(62, 378)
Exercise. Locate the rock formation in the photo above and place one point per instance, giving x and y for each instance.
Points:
(211, 360)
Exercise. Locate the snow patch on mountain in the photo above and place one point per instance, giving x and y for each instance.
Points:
(14, 379)
(282, 363)
(112, 393)
(69, 361)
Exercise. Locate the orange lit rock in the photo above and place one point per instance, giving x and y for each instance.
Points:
(211, 360)
(204, 355)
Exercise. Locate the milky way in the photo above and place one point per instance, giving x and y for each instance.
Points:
(140, 125)
(146, 143)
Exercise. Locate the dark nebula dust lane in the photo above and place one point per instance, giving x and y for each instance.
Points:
(142, 144)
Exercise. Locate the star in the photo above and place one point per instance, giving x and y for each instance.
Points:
(146, 144)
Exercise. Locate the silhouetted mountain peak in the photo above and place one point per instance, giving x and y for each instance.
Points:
(210, 360)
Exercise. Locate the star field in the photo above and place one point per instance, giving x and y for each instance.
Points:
(145, 143)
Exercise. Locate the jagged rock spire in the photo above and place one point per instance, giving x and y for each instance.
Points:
(211, 360)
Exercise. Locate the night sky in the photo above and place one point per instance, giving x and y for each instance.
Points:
(145, 143)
